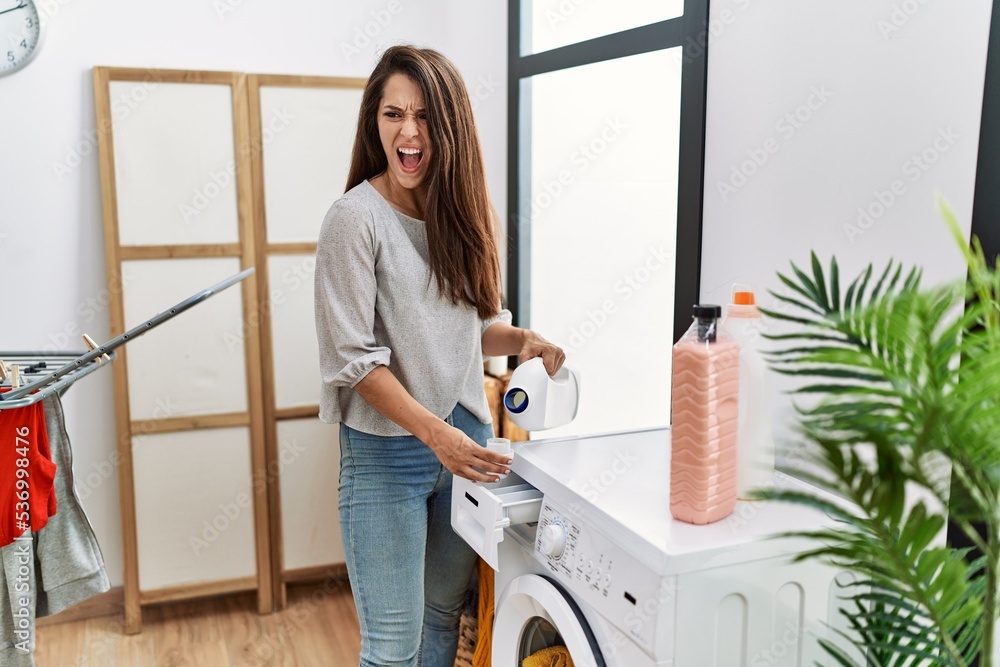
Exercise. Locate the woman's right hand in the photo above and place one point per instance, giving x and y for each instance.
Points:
(463, 457)
(456, 451)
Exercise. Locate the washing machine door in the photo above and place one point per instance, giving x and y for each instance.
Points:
(534, 613)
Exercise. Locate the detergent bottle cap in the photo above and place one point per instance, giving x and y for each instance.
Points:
(743, 302)
(707, 316)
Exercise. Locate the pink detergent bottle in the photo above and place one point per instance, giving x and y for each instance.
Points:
(704, 401)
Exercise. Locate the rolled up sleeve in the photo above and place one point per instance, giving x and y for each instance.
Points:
(346, 291)
(502, 316)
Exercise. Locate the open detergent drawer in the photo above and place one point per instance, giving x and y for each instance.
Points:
(480, 512)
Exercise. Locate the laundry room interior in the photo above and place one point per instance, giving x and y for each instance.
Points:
(739, 404)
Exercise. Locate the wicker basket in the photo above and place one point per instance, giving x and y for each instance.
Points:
(468, 633)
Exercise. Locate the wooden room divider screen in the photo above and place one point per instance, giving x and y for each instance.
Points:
(204, 174)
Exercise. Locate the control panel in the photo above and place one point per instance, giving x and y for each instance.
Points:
(603, 574)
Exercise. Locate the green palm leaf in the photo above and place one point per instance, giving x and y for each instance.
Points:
(895, 402)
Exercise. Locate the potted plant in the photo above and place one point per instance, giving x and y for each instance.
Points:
(900, 410)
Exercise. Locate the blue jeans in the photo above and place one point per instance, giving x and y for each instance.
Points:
(409, 570)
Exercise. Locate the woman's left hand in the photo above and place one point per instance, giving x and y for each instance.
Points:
(535, 346)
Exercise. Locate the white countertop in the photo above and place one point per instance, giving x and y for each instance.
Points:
(619, 483)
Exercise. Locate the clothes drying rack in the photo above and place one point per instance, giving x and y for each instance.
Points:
(44, 373)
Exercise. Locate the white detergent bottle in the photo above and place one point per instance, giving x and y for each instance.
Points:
(754, 439)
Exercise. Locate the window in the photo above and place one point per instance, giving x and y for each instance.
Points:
(606, 143)
(549, 24)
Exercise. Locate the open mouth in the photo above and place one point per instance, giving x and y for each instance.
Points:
(410, 158)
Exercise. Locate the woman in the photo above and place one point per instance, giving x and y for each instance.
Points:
(407, 303)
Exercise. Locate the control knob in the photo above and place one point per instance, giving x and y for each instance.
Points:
(552, 540)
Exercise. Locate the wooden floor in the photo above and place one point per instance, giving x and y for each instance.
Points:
(319, 628)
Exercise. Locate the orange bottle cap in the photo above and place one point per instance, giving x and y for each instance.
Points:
(743, 299)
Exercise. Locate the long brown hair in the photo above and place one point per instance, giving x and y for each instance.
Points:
(458, 214)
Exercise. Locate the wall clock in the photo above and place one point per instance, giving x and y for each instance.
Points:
(20, 34)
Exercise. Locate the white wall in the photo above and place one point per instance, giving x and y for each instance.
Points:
(51, 230)
(887, 93)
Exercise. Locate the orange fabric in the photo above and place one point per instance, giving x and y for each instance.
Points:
(483, 657)
(553, 656)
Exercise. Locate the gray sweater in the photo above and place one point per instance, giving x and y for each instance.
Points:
(377, 304)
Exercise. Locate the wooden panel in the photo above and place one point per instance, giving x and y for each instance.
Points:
(116, 315)
(316, 573)
(174, 162)
(174, 424)
(166, 75)
(177, 190)
(254, 351)
(195, 512)
(170, 251)
(307, 134)
(302, 248)
(109, 603)
(209, 589)
(291, 120)
(305, 81)
(195, 363)
(297, 413)
(295, 350)
(271, 482)
(309, 457)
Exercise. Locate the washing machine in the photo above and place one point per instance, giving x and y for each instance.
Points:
(588, 557)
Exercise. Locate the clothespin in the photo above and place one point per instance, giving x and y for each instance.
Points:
(91, 345)
(3, 371)
(15, 376)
